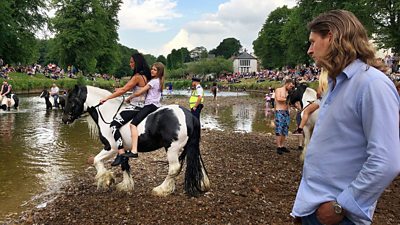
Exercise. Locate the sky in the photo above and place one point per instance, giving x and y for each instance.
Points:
(158, 26)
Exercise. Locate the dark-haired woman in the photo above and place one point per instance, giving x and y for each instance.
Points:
(141, 75)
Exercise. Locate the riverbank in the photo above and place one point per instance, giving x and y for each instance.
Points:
(251, 184)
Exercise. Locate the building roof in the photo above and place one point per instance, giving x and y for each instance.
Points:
(245, 55)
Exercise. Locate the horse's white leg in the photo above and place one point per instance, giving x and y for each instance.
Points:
(168, 186)
(307, 136)
(104, 177)
(127, 183)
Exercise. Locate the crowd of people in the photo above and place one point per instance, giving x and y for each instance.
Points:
(51, 71)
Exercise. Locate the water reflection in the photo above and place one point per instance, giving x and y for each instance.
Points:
(38, 153)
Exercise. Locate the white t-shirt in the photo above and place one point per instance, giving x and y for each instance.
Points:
(154, 93)
(54, 90)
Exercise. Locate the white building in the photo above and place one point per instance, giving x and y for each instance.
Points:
(244, 63)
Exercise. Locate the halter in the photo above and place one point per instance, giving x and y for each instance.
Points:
(101, 115)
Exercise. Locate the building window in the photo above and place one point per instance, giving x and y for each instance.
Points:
(244, 62)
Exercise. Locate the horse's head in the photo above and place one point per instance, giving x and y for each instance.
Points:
(45, 94)
(74, 105)
(297, 94)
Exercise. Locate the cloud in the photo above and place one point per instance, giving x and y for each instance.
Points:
(241, 19)
(147, 15)
(181, 40)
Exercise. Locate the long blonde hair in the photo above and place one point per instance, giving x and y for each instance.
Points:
(349, 41)
(323, 82)
(160, 73)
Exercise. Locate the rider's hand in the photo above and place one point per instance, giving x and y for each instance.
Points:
(128, 100)
(103, 100)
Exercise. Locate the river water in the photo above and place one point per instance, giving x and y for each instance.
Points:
(38, 153)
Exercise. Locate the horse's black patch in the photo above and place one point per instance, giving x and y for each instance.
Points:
(297, 94)
(164, 121)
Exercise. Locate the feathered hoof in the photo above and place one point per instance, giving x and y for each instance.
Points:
(160, 192)
(205, 185)
(105, 180)
(125, 186)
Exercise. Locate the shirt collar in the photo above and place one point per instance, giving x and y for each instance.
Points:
(352, 68)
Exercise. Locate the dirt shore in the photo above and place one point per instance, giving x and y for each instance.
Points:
(251, 184)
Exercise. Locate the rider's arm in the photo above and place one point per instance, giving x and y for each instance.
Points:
(120, 91)
(1, 91)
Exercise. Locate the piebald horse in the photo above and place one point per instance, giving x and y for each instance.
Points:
(46, 95)
(170, 127)
(14, 102)
(305, 96)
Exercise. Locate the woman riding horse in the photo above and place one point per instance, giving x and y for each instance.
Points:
(141, 75)
(172, 128)
(7, 99)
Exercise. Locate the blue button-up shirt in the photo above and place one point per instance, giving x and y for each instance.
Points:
(354, 152)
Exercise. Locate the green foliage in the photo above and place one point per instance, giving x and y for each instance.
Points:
(162, 59)
(227, 48)
(85, 31)
(385, 15)
(19, 21)
(180, 84)
(269, 46)
(81, 80)
(124, 69)
(177, 58)
(179, 73)
(206, 66)
(150, 59)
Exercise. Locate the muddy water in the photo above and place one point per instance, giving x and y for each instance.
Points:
(38, 153)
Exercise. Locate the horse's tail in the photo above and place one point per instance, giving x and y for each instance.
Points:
(196, 177)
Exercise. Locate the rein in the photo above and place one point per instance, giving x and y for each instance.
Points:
(101, 115)
(309, 103)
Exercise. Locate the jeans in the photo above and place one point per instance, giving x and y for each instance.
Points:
(312, 220)
(55, 97)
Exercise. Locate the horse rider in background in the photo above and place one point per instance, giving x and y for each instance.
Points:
(6, 92)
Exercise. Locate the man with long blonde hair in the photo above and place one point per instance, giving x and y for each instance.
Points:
(354, 153)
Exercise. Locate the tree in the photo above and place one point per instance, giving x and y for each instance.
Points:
(162, 59)
(177, 58)
(216, 65)
(227, 48)
(85, 32)
(150, 59)
(386, 19)
(269, 46)
(19, 21)
(198, 53)
(125, 54)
